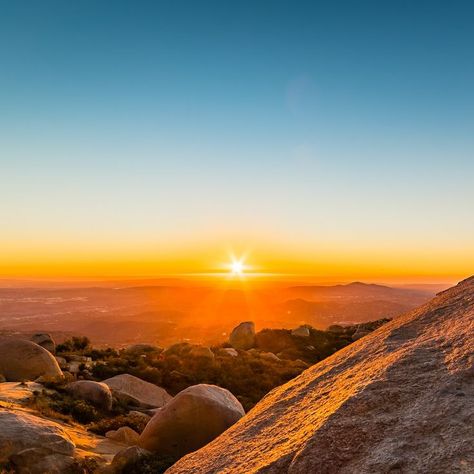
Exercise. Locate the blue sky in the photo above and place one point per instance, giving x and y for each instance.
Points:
(340, 126)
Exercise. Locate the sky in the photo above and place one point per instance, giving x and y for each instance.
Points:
(317, 138)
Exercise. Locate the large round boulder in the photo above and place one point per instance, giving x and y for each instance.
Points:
(24, 360)
(243, 336)
(192, 419)
(45, 340)
(137, 392)
(97, 393)
(34, 445)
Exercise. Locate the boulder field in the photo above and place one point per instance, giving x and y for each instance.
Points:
(30, 443)
(399, 400)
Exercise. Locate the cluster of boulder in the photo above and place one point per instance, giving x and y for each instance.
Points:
(77, 365)
(179, 424)
(21, 359)
(175, 425)
(301, 342)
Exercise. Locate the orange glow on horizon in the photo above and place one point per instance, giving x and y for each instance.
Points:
(324, 261)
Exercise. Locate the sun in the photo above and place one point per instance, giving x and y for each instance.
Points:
(237, 267)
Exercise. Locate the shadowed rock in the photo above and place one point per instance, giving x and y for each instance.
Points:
(97, 393)
(124, 435)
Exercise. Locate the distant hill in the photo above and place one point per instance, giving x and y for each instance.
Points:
(361, 291)
(322, 314)
(203, 311)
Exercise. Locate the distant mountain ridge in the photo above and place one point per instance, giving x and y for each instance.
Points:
(359, 290)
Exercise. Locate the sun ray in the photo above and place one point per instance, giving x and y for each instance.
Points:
(237, 267)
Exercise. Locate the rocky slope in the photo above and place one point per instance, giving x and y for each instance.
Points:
(400, 400)
(33, 444)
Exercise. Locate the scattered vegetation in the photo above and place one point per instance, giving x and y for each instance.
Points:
(75, 344)
(136, 422)
(278, 357)
(56, 403)
(60, 406)
(248, 376)
(151, 464)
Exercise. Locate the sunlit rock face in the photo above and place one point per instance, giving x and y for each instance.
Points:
(397, 400)
(194, 417)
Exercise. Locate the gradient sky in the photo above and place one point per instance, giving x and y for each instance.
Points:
(325, 138)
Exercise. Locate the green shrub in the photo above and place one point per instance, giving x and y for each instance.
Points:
(152, 464)
(83, 412)
(136, 422)
(75, 344)
(63, 407)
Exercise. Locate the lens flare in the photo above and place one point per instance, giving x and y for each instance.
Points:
(237, 267)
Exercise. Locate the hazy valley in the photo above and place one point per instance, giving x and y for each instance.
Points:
(164, 312)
